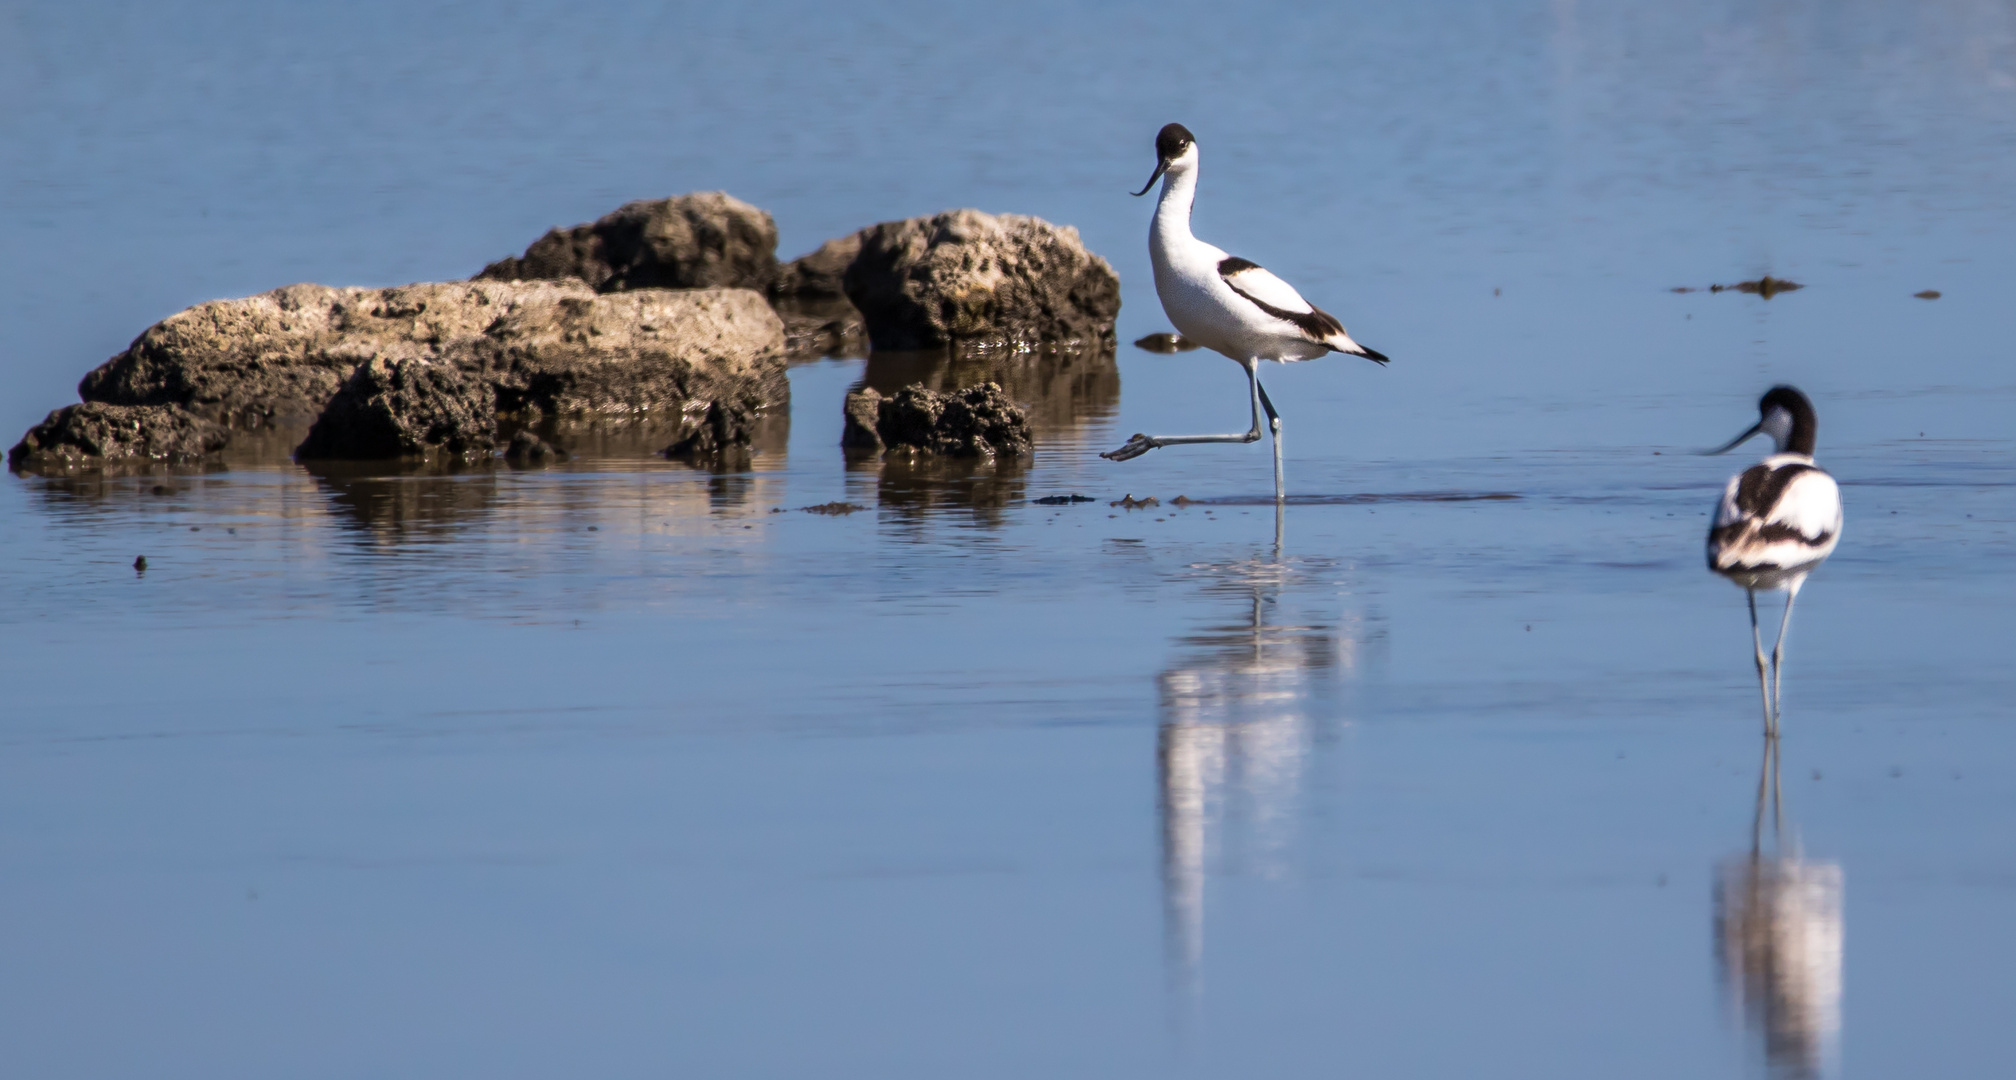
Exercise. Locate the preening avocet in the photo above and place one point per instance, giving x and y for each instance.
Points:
(1226, 304)
(1778, 520)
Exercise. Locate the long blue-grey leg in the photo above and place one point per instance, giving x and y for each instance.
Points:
(1778, 660)
(1273, 421)
(1763, 679)
(1141, 444)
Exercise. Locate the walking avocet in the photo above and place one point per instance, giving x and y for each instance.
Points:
(1778, 520)
(1226, 304)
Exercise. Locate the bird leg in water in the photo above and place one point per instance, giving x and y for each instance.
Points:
(1141, 444)
(1778, 659)
(1273, 421)
(1763, 678)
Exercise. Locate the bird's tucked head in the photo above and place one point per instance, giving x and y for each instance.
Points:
(1784, 414)
(1175, 152)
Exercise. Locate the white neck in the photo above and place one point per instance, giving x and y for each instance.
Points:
(1172, 207)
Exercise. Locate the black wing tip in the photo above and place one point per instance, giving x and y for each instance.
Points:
(1373, 355)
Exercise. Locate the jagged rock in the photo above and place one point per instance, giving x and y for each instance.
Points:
(529, 451)
(95, 434)
(724, 426)
(965, 278)
(863, 413)
(545, 347)
(405, 408)
(708, 239)
(976, 422)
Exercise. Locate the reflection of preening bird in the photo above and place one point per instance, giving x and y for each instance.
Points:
(1778, 938)
(1778, 520)
(1226, 304)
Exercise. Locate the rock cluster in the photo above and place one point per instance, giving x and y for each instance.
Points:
(705, 240)
(976, 422)
(669, 307)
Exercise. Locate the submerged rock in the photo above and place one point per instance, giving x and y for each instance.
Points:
(819, 328)
(708, 239)
(976, 422)
(811, 296)
(95, 435)
(965, 278)
(528, 451)
(405, 408)
(543, 347)
(724, 426)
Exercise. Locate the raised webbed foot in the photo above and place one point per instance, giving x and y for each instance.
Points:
(1135, 447)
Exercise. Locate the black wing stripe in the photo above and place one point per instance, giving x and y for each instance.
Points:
(1316, 323)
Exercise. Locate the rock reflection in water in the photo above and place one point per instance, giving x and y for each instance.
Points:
(1064, 389)
(394, 507)
(1778, 940)
(1241, 707)
(914, 488)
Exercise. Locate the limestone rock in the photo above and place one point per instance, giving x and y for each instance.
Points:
(94, 434)
(548, 347)
(708, 239)
(409, 407)
(976, 422)
(964, 278)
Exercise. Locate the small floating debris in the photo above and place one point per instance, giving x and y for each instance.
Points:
(140, 564)
(1131, 503)
(161, 489)
(833, 509)
(1062, 500)
(1766, 287)
(1928, 294)
(1165, 343)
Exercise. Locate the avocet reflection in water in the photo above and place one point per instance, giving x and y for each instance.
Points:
(1778, 940)
(1251, 692)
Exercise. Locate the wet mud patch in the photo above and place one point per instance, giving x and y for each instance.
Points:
(1766, 287)
(831, 509)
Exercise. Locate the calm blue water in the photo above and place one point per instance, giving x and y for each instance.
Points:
(612, 770)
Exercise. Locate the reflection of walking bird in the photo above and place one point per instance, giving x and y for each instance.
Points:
(1778, 520)
(1778, 937)
(1236, 729)
(1226, 304)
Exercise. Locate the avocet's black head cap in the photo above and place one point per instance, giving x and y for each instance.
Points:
(1170, 143)
(1783, 397)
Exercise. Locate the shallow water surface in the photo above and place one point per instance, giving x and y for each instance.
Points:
(624, 767)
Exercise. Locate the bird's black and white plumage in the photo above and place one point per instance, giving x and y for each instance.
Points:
(1231, 305)
(1778, 521)
(1780, 518)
